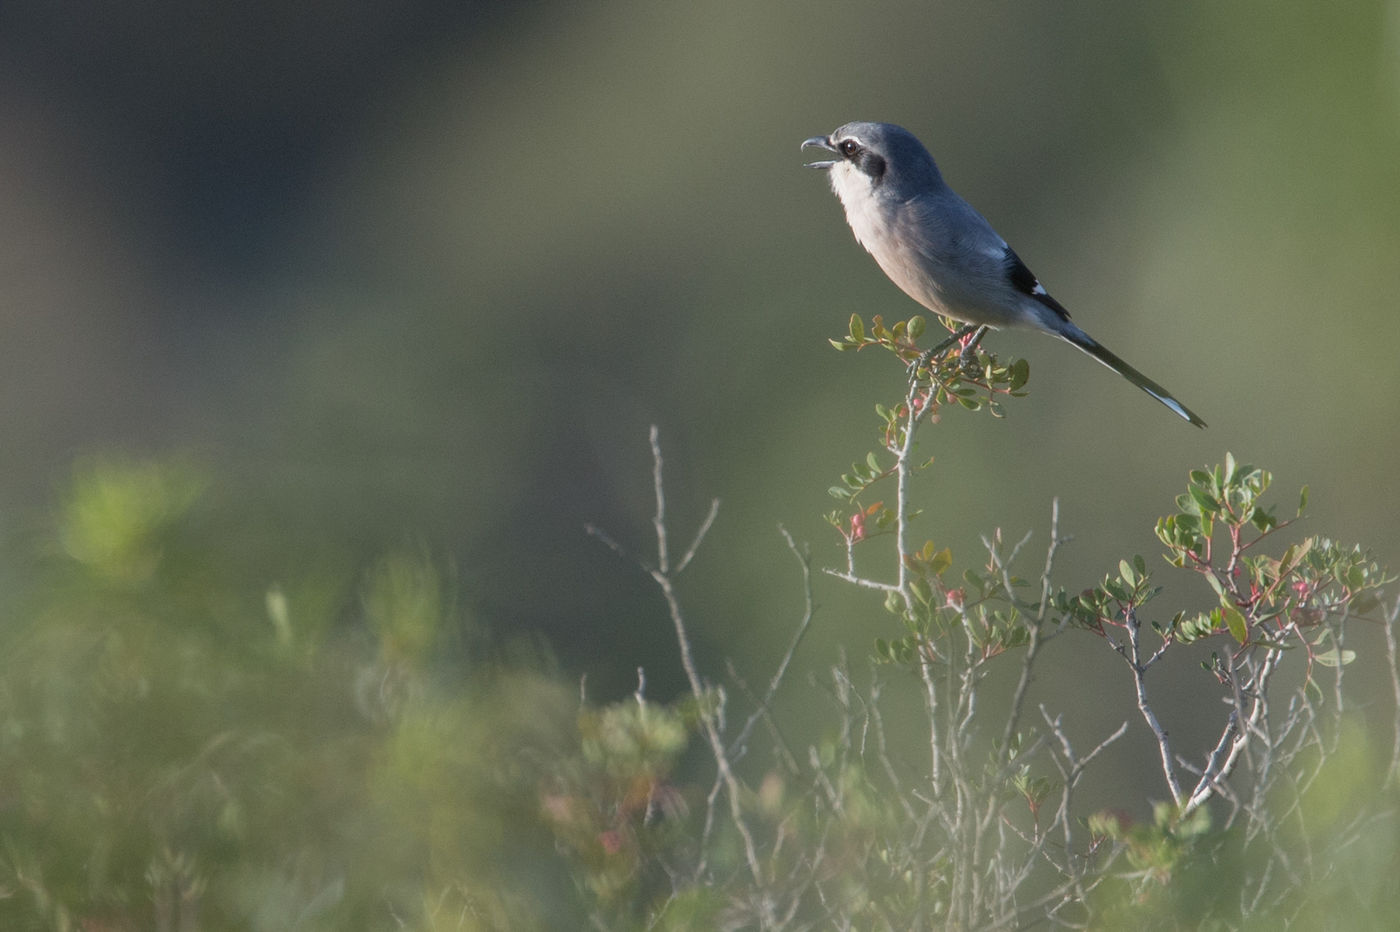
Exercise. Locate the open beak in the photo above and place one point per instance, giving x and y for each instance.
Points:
(820, 142)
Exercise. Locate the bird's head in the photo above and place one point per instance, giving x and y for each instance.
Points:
(876, 159)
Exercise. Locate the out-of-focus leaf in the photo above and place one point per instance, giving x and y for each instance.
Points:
(1126, 571)
(1235, 622)
(1335, 657)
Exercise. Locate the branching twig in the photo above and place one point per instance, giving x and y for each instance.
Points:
(805, 560)
(1236, 735)
(664, 578)
(862, 582)
(956, 849)
(1134, 657)
(1037, 636)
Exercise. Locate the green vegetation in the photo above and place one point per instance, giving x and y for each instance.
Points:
(184, 748)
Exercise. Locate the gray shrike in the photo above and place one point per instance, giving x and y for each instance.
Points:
(940, 251)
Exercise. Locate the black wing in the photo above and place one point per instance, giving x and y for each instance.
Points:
(1024, 281)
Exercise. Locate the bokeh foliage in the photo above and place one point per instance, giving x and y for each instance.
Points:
(183, 749)
(185, 746)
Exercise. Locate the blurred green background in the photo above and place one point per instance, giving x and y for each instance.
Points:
(400, 274)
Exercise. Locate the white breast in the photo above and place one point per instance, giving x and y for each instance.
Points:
(852, 187)
(873, 225)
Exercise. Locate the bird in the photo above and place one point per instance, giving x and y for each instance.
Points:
(943, 253)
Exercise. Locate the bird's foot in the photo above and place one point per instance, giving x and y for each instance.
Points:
(967, 359)
(921, 362)
(959, 336)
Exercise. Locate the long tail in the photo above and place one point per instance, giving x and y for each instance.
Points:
(1081, 340)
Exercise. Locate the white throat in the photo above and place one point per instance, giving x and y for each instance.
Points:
(853, 188)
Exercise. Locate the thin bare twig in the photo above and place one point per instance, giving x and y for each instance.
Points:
(1037, 637)
(863, 582)
(903, 471)
(1235, 736)
(1391, 657)
(664, 577)
(1145, 707)
(658, 520)
(805, 560)
(699, 536)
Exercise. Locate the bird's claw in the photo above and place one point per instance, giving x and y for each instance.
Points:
(921, 362)
(967, 359)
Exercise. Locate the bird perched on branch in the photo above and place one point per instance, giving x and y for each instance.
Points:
(943, 253)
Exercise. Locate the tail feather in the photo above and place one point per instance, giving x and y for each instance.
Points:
(1091, 347)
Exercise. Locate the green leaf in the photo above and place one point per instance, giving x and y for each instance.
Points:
(1302, 501)
(916, 327)
(1295, 553)
(1239, 628)
(1020, 374)
(1335, 658)
(1203, 499)
(1193, 628)
(841, 345)
(857, 329)
(1126, 571)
